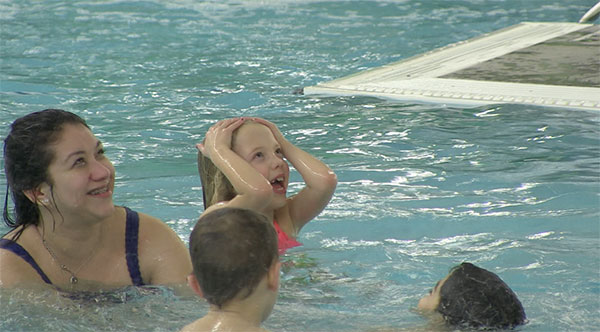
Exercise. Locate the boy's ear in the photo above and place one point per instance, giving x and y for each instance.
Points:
(273, 276)
(193, 283)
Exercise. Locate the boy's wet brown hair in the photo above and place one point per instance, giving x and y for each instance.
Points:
(232, 249)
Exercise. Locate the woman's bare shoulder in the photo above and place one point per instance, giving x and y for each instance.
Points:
(16, 271)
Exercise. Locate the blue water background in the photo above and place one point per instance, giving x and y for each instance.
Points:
(422, 187)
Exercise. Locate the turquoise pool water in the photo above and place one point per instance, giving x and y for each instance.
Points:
(422, 187)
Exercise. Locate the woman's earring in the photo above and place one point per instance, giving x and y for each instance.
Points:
(44, 201)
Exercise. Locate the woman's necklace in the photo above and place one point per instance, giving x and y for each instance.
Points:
(73, 280)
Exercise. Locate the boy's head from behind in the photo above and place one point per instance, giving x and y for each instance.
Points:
(232, 250)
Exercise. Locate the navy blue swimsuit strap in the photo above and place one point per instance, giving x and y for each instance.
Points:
(16, 248)
(131, 246)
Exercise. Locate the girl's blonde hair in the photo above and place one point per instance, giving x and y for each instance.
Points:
(215, 185)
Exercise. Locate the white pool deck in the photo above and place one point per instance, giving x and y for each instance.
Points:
(549, 64)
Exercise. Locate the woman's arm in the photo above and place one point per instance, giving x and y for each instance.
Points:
(320, 180)
(164, 258)
(15, 271)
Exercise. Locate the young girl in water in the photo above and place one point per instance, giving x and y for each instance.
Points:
(242, 164)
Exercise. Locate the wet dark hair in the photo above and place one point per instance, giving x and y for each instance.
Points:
(477, 298)
(27, 156)
(232, 249)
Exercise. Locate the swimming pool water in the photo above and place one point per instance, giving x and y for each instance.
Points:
(422, 187)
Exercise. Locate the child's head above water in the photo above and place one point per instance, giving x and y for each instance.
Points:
(474, 297)
(232, 251)
(243, 163)
(255, 143)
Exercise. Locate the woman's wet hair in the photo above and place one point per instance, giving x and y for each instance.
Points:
(232, 249)
(476, 298)
(27, 156)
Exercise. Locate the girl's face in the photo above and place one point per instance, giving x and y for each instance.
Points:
(82, 176)
(256, 144)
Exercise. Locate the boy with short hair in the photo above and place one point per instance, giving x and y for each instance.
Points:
(235, 268)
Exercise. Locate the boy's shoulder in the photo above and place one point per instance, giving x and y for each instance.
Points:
(194, 326)
(206, 324)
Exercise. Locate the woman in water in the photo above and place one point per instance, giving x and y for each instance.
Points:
(66, 231)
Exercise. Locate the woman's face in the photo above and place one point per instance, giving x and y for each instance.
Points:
(82, 176)
(256, 144)
(431, 301)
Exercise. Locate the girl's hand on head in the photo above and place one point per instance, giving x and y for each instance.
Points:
(219, 136)
(276, 132)
(200, 147)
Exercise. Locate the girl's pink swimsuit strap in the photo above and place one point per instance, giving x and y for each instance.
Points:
(284, 241)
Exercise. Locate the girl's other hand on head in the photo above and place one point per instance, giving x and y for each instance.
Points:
(200, 148)
(276, 132)
(219, 135)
